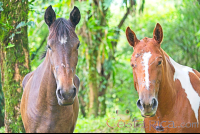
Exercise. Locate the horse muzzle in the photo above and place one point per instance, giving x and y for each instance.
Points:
(66, 97)
(148, 109)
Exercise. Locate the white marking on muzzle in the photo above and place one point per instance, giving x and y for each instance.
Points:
(146, 58)
(182, 74)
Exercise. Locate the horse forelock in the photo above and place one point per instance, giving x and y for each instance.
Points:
(61, 29)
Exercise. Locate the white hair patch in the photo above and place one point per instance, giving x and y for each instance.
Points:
(182, 74)
(146, 58)
(63, 39)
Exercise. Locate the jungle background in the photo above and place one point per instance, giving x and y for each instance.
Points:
(104, 54)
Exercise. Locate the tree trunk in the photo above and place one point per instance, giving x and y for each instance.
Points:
(98, 81)
(93, 86)
(106, 77)
(14, 60)
(1, 104)
(98, 13)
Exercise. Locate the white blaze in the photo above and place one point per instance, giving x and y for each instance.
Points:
(63, 39)
(146, 58)
(182, 74)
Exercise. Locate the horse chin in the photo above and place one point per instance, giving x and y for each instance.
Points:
(148, 116)
(65, 103)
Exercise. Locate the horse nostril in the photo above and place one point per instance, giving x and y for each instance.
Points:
(139, 105)
(154, 103)
(74, 89)
(59, 92)
(66, 94)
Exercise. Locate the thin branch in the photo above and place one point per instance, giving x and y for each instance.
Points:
(42, 43)
(142, 6)
(132, 3)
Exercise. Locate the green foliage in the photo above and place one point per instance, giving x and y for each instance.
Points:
(108, 124)
(2, 130)
(185, 39)
(10, 45)
(1, 6)
(1, 103)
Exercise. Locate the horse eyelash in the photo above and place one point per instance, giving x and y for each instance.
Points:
(48, 47)
(78, 45)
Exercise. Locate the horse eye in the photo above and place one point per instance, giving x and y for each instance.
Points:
(159, 63)
(49, 47)
(78, 45)
(133, 65)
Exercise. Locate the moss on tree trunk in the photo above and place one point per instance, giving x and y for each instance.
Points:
(93, 85)
(14, 60)
(1, 104)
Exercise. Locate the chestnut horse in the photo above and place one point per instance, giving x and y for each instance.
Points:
(169, 93)
(50, 102)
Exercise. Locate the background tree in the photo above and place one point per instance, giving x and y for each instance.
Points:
(14, 59)
(1, 104)
(101, 50)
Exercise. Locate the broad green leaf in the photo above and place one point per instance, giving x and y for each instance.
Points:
(1, 9)
(198, 45)
(10, 45)
(107, 4)
(1, 6)
(197, 33)
(12, 35)
(21, 24)
(18, 32)
(31, 23)
(68, 2)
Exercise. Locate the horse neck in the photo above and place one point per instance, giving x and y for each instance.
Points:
(167, 94)
(47, 91)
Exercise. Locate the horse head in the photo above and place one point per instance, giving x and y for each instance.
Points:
(147, 63)
(63, 44)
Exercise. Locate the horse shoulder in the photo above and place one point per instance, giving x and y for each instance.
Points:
(197, 73)
(26, 79)
(196, 83)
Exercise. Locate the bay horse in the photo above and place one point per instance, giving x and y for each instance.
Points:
(49, 101)
(169, 93)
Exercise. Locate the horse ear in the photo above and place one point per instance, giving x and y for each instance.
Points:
(158, 33)
(49, 16)
(131, 37)
(75, 16)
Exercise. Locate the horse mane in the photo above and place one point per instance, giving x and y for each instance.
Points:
(61, 28)
(43, 54)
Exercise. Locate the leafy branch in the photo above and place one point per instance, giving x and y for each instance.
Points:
(20, 25)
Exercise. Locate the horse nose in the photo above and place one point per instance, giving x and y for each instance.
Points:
(140, 104)
(66, 94)
(152, 104)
